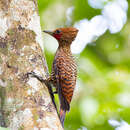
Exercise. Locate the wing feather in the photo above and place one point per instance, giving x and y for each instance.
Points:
(59, 79)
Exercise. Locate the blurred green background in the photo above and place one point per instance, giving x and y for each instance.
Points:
(103, 86)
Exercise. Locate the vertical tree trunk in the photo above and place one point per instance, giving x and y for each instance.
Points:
(25, 104)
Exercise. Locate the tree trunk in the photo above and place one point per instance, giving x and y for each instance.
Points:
(25, 104)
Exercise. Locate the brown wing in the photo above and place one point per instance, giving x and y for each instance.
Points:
(65, 74)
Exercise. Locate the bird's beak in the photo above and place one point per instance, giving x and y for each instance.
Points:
(49, 32)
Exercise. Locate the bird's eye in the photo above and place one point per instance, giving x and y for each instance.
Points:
(58, 31)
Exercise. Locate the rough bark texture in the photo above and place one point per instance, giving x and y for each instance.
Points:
(25, 104)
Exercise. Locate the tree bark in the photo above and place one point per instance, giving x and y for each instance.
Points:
(25, 104)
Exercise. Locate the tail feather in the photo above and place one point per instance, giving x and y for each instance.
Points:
(64, 106)
(62, 116)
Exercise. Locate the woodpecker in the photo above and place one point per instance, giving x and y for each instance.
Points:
(64, 70)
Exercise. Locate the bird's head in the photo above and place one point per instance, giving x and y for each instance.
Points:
(64, 35)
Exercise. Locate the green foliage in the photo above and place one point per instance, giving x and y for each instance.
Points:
(2, 128)
(83, 10)
(43, 4)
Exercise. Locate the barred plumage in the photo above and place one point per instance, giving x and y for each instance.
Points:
(64, 70)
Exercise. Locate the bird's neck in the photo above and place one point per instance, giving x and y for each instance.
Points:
(65, 48)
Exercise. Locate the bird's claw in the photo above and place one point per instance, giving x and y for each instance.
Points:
(45, 81)
(31, 74)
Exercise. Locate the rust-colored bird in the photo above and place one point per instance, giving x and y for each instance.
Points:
(64, 70)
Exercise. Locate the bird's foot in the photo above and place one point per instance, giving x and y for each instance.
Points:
(46, 82)
(33, 74)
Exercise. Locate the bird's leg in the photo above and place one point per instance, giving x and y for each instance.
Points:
(46, 82)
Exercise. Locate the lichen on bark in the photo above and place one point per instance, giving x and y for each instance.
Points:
(25, 102)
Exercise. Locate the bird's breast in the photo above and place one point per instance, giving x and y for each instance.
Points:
(67, 71)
